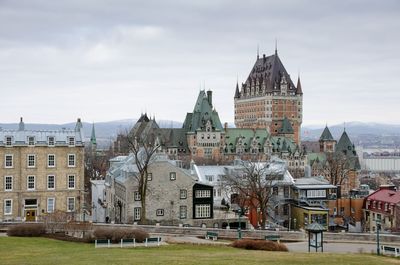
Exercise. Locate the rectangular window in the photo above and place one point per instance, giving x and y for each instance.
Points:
(172, 175)
(137, 196)
(71, 160)
(71, 141)
(70, 204)
(31, 161)
(160, 212)
(182, 212)
(8, 161)
(202, 211)
(136, 213)
(8, 140)
(7, 207)
(210, 178)
(149, 176)
(183, 194)
(51, 160)
(50, 141)
(8, 183)
(275, 191)
(51, 182)
(71, 182)
(31, 182)
(203, 193)
(50, 204)
(316, 193)
(31, 140)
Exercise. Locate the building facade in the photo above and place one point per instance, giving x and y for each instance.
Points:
(41, 172)
(267, 97)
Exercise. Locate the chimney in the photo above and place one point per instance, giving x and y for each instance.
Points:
(78, 125)
(225, 126)
(21, 126)
(209, 97)
(264, 58)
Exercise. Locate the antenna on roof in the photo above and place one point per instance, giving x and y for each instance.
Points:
(276, 46)
(258, 51)
(344, 126)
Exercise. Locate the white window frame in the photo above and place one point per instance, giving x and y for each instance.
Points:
(203, 194)
(160, 212)
(68, 204)
(51, 143)
(54, 182)
(5, 183)
(70, 187)
(9, 210)
(316, 193)
(48, 204)
(172, 176)
(48, 160)
(203, 210)
(183, 212)
(136, 196)
(136, 213)
(8, 141)
(31, 143)
(183, 194)
(34, 160)
(149, 176)
(27, 182)
(5, 160)
(74, 160)
(71, 141)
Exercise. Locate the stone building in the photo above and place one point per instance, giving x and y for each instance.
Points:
(174, 196)
(41, 172)
(268, 97)
(203, 139)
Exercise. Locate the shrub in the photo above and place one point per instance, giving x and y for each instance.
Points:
(116, 234)
(26, 230)
(259, 245)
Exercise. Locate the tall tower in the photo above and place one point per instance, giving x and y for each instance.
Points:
(269, 99)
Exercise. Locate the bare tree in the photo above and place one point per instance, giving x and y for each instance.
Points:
(143, 148)
(337, 168)
(253, 184)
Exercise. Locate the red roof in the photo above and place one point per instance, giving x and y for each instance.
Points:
(385, 194)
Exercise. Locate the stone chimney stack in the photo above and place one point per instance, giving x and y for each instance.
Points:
(209, 97)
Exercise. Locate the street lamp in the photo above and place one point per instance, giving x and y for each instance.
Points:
(239, 224)
(378, 225)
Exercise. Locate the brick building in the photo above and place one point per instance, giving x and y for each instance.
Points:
(41, 172)
(268, 97)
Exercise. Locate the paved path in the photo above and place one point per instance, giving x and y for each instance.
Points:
(334, 247)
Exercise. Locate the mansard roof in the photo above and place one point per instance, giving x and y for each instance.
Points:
(326, 135)
(203, 111)
(286, 127)
(270, 71)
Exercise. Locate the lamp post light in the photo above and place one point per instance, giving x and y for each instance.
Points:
(378, 225)
(239, 224)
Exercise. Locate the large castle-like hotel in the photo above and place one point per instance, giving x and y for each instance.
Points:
(268, 116)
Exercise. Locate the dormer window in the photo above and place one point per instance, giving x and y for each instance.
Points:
(31, 140)
(71, 141)
(50, 141)
(8, 140)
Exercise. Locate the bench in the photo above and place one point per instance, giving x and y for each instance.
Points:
(388, 250)
(102, 243)
(275, 238)
(212, 235)
(128, 242)
(153, 240)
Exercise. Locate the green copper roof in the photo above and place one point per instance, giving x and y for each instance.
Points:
(202, 113)
(286, 127)
(326, 135)
(344, 145)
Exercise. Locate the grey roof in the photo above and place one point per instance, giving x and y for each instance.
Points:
(312, 183)
(315, 227)
(269, 71)
(326, 135)
(286, 127)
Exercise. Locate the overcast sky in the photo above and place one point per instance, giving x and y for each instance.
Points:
(111, 60)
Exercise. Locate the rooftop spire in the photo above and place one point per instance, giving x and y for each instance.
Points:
(93, 136)
(258, 51)
(298, 88)
(21, 126)
(237, 94)
(276, 46)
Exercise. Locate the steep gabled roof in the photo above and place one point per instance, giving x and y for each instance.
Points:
(326, 135)
(344, 145)
(299, 90)
(286, 127)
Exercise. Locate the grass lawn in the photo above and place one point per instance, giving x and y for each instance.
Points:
(18, 250)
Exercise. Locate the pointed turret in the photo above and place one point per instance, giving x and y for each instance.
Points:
(237, 94)
(344, 145)
(299, 91)
(326, 135)
(21, 125)
(93, 136)
(286, 127)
